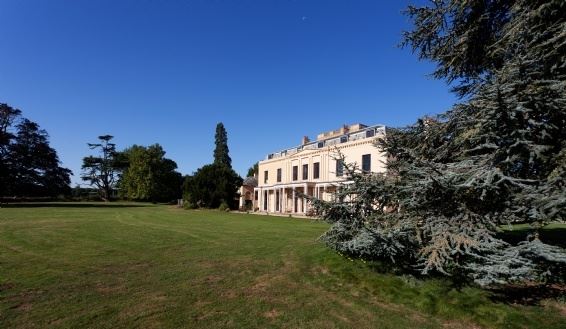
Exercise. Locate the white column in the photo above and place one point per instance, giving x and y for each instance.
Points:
(293, 206)
(274, 200)
(280, 200)
(305, 203)
(284, 205)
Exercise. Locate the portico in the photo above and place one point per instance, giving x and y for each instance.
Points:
(315, 169)
(285, 198)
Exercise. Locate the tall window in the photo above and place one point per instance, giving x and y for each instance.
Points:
(339, 168)
(305, 172)
(316, 170)
(279, 175)
(366, 163)
(295, 172)
(265, 176)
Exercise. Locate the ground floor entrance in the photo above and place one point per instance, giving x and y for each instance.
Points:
(291, 198)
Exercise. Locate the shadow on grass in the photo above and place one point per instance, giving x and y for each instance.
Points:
(553, 236)
(528, 295)
(71, 205)
(525, 294)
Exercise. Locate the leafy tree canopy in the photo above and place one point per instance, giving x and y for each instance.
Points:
(212, 185)
(149, 176)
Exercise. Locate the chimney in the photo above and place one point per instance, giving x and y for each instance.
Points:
(305, 140)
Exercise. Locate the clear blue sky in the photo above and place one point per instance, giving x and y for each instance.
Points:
(166, 72)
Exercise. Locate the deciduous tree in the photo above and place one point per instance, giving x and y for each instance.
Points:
(212, 185)
(150, 176)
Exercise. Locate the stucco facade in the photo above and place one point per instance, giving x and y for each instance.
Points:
(312, 168)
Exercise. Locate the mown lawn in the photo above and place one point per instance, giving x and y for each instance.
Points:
(145, 266)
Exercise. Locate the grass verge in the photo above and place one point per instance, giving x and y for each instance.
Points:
(132, 265)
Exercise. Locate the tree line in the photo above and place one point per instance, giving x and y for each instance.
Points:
(141, 173)
(137, 173)
(30, 167)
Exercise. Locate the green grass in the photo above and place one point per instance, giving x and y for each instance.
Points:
(119, 266)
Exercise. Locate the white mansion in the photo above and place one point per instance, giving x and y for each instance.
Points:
(311, 169)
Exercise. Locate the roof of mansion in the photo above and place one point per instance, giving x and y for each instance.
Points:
(335, 137)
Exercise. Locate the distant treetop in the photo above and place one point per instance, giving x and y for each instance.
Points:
(221, 152)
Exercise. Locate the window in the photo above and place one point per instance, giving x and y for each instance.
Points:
(305, 172)
(279, 175)
(316, 170)
(265, 176)
(295, 172)
(366, 163)
(256, 195)
(343, 139)
(320, 145)
(339, 168)
(370, 133)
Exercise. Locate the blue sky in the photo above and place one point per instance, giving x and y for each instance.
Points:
(167, 72)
